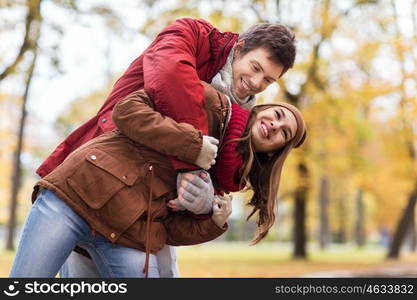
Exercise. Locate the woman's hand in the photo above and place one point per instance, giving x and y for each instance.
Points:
(222, 209)
(195, 192)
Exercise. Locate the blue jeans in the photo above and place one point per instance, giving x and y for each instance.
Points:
(79, 266)
(52, 229)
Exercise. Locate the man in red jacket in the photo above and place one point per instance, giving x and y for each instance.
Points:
(170, 70)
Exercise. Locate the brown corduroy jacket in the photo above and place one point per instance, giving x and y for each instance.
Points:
(118, 179)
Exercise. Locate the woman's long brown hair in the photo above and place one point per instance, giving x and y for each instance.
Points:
(262, 174)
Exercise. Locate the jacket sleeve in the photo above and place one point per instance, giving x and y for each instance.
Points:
(135, 117)
(183, 230)
(170, 73)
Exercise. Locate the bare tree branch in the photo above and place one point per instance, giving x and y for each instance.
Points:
(33, 20)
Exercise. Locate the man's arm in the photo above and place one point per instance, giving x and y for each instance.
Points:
(136, 118)
(170, 73)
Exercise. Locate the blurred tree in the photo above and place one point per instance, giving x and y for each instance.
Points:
(354, 80)
(33, 22)
(360, 219)
(323, 29)
(30, 44)
(404, 47)
(324, 217)
(336, 84)
(17, 169)
(32, 33)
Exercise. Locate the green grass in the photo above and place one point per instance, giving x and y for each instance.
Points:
(269, 252)
(6, 259)
(274, 260)
(220, 259)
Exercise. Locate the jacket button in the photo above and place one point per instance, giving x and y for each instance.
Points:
(124, 177)
(103, 120)
(112, 235)
(93, 157)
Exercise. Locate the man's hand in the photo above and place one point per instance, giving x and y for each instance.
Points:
(222, 209)
(195, 192)
(208, 152)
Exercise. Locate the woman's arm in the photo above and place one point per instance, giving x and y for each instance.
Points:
(136, 118)
(183, 229)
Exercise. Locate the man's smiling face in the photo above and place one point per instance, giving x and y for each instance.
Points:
(253, 72)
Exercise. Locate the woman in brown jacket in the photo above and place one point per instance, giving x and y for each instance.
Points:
(109, 196)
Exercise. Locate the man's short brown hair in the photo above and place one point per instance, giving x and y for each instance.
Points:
(276, 38)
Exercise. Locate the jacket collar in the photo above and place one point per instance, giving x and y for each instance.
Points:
(221, 43)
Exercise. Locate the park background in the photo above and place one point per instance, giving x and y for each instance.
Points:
(347, 197)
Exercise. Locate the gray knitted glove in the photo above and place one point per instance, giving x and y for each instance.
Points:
(194, 193)
(208, 152)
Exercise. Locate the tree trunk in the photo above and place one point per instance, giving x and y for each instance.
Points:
(16, 173)
(341, 219)
(32, 24)
(323, 207)
(402, 226)
(300, 236)
(412, 232)
(360, 220)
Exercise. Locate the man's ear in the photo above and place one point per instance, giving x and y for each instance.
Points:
(238, 48)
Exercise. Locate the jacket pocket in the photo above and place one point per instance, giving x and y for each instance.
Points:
(100, 177)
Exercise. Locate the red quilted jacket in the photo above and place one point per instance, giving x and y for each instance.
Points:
(170, 70)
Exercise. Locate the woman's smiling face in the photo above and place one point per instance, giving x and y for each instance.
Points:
(272, 129)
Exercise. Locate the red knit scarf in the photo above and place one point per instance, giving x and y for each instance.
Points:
(229, 162)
